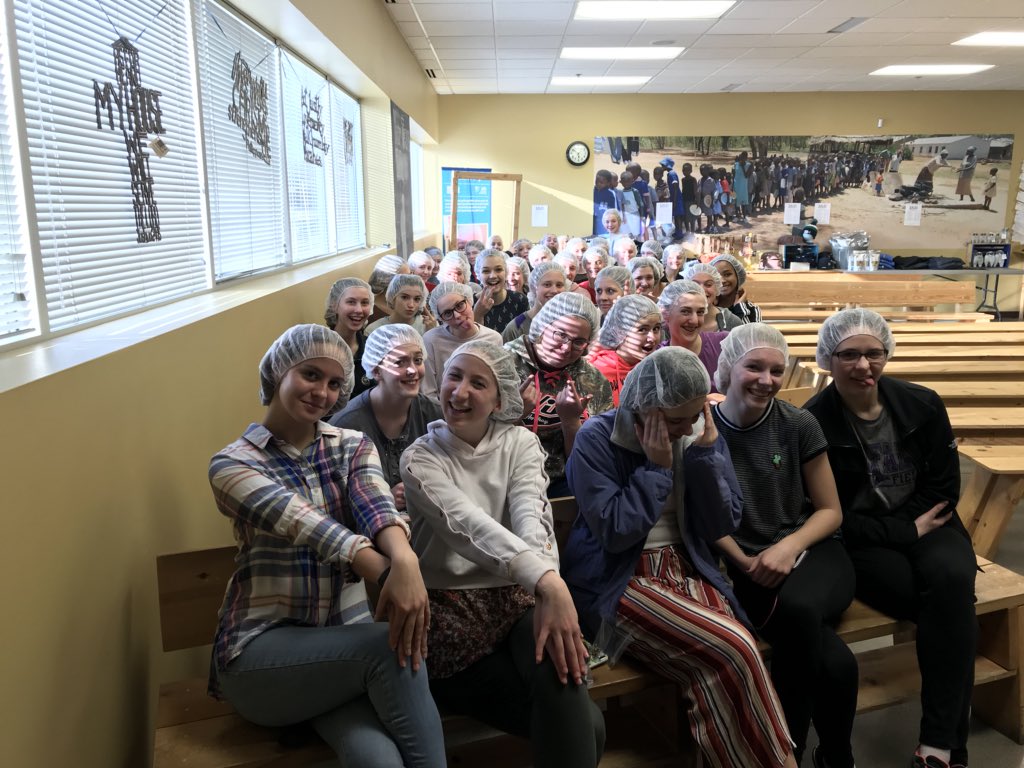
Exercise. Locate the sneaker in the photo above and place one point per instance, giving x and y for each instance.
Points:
(928, 762)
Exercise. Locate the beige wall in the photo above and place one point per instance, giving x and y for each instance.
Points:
(528, 135)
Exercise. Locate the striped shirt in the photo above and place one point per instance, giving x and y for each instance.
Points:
(299, 519)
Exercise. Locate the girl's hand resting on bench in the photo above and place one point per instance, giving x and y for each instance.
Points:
(556, 628)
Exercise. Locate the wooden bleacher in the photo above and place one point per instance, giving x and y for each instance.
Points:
(772, 293)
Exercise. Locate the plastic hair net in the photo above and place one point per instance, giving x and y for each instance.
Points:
(618, 275)
(416, 258)
(487, 253)
(300, 343)
(738, 268)
(400, 282)
(670, 293)
(385, 268)
(597, 252)
(566, 305)
(745, 339)
(652, 247)
(386, 338)
(454, 259)
(851, 322)
(518, 261)
(624, 316)
(501, 363)
(539, 271)
(446, 289)
(538, 249)
(646, 261)
(599, 242)
(694, 268)
(666, 378)
(337, 291)
(671, 250)
(566, 258)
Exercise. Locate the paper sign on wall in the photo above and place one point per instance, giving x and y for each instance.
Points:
(539, 216)
(823, 212)
(663, 213)
(792, 213)
(912, 214)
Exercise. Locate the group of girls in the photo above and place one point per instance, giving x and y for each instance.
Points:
(433, 483)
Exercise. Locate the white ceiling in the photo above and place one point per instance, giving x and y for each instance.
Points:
(512, 46)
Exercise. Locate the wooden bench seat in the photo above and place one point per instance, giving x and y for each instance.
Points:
(992, 493)
(923, 371)
(913, 328)
(948, 338)
(803, 312)
(934, 352)
(854, 292)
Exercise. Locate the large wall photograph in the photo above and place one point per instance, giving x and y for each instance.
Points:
(739, 185)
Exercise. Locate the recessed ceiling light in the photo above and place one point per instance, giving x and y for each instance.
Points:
(599, 80)
(932, 69)
(617, 10)
(846, 26)
(993, 38)
(623, 53)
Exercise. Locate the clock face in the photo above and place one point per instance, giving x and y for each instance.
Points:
(577, 153)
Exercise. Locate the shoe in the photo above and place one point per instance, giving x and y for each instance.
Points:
(928, 762)
(958, 758)
(819, 760)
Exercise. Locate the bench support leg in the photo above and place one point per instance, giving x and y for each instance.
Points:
(1001, 703)
(986, 507)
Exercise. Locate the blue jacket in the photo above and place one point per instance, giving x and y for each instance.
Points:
(620, 495)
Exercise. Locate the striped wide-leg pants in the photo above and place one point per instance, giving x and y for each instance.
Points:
(683, 628)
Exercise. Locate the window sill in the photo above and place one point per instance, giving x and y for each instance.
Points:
(31, 361)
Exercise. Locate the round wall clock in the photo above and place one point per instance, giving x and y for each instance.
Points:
(577, 153)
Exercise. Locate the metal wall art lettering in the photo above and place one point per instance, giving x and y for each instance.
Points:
(138, 114)
(314, 144)
(249, 108)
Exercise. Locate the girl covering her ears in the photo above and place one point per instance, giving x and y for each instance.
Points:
(505, 641)
(313, 516)
(655, 487)
(790, 573)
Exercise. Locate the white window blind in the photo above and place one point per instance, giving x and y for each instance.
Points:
(110, 240)
(239, 85)
(16, 297)
(419, 222)
(348, 178)
(309, 149)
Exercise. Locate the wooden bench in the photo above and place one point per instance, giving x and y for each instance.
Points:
(923, 371)
(804, 313)
(991, 337)
(935, 352)
(853, 292)
(913, 328)
(992, 493)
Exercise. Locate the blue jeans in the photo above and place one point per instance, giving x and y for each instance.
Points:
(347, 682)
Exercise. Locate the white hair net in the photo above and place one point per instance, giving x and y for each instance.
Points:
(624, 316)
(851, 322)
(738, 268)
(694, 268)
(385, 268)
(646, 261)
(335, 294)
(502, 365)
(666, 378)
(447, 288)
(538, 250)
(539, 271)
(566, 258)
(454, 259)
(597, 252)
(566, 305)
(599, 242)
(652, 247)
(670, 293)
(743, 340)
(298, 344)
(400, 282)
(487, 253)
(621, 276)
(518, 261)
(386, 338)
(416, 258)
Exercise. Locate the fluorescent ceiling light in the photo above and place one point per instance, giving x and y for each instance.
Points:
(932, 69)
(993, 38)
(596, 80)
(617, 10)
(846, 26)
(606, 54)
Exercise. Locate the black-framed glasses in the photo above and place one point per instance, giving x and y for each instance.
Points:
(448, 314)
(564, 339)
(851, 356)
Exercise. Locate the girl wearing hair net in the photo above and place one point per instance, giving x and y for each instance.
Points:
(710, 280)
(672, 259)
(312, 517)
(898, 475)
(561, 387)
(683, 306)
(647, 273)
(733, 275)
(349, 305)
(406, 297)
(516, 270)
(791, 574)
(497, 305)
(385, 269)
(393, 413)
(504, 636)
(655, 487)
(610, 285)
(631, 331)
(452, 304)
(595, 258)
(546, 281)
(570, 265)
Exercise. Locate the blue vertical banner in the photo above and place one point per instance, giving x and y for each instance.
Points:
(474, 213)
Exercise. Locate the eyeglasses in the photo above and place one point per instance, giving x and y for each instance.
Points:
(448, 314)
(851, 356)
(563, 339)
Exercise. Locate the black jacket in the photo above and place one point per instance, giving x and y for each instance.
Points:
(921, 421)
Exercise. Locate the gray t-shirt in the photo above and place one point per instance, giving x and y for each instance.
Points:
(768, 457)
(890, 470)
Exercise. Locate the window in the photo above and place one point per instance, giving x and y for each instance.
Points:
(348, 179)
(419, 223)
(120, 222)
(240, 89)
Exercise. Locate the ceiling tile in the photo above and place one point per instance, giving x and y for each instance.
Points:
(680, 27)
(459, 28)
(622, 29)
(534, 43)
(528, 11)
(770, 9)
(453, 11)
(749, 26)
(526, 28)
